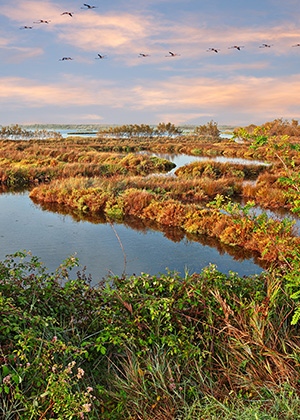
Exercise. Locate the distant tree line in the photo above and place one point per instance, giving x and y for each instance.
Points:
(15, 132)
(208, 131)
(142, 130)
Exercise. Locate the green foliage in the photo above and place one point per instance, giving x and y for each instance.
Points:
(277, 127)
(286, 153)
(292, 284)
(145, 346)
(41, 375)
(167, 311)
(259, 141)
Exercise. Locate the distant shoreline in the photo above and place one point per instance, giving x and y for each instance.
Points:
(82, 133)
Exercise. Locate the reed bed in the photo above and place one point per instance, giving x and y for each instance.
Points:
(119, 197)
(35, 164)
(216, 170)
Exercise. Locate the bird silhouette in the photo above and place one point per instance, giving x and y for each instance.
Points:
(171, 54)
(296, 45)
(266, 45)
(66, 59)
(67, 13)
(88, 6)
(100, 57)
(237, 47)
(143, 55)
(216, 50)
(42, 21)
(26, 27)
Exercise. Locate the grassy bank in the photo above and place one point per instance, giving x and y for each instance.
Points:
(207, 345)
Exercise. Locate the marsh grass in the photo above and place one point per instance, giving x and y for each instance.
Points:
(119, 197)
(29, 163)
(216, 170)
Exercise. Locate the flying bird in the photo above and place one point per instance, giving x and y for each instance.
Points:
(65, 58)
(143, 55)
(296, 45)
(42, 21)
(88, 6)
(100, 57)
(237, 47)
(26, 27)
(266, 45)
(216, 50)
(67, 13)
(172, 54)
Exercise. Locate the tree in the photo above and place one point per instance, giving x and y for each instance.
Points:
(167, 129)
(208, 131)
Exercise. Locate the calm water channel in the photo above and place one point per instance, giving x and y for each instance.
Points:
(53, 237)
(105, 249)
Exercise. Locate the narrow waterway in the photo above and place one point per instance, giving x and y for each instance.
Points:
(182, 160)
(105, 249)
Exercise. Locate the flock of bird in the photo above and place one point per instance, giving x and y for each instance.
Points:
(99, 56)
(141, 55)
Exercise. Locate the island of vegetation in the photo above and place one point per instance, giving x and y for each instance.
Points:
(200, 346)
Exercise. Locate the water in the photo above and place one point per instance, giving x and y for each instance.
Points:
(104, 249)
(182, 159)
(69, 132)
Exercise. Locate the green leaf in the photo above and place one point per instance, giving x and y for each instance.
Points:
(5, 370)
(17, 379)
(296, 316)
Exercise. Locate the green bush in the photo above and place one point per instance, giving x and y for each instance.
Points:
(205, 345)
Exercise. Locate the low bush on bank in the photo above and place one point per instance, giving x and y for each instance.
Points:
(204, 345)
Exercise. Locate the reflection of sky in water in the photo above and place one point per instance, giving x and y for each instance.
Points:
(53, 237)
(181, 160)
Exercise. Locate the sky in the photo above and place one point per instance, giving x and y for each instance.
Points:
(257, 83)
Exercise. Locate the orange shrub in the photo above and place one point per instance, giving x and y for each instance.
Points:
(135, 201)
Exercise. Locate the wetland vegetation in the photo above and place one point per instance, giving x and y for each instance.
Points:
(205, 345)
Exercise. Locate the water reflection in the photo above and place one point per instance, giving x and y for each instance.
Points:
(53, 234)
(182, 160)
(172, 233)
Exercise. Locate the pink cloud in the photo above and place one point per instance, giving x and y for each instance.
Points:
(263, 96)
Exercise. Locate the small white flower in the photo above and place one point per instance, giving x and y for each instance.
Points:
(80, 373)
(86, 408)
(6, 380)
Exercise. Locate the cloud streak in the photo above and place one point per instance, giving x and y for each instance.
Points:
(251, 95)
